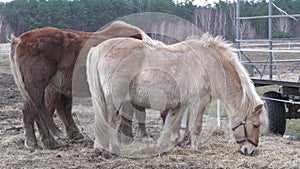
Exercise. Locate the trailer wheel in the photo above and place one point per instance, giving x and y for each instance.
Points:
(276, 113)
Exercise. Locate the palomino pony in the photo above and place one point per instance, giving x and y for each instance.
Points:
(181, 78)
(228, 81)
(42, 62)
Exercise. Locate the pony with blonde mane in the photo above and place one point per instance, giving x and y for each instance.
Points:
(182, 79)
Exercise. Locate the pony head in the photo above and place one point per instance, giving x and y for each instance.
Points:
(247, 131)
(181, 130)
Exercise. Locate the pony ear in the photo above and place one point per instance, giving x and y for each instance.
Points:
(258, 107)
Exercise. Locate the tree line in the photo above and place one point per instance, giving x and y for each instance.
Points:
(90, 15)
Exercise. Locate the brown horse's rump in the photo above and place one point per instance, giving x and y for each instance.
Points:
(42, 62)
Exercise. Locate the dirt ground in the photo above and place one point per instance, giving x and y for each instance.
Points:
(219, 150)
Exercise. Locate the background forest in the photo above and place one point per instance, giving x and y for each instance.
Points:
(89, 15)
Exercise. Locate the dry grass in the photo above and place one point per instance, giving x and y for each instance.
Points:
(218, 147)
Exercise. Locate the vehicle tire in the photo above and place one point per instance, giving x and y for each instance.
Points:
(276, 113)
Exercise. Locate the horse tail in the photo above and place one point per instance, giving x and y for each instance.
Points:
(19, 80)
(15, 68)
(98, 99)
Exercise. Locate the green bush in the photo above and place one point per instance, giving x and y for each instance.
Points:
(283, 35)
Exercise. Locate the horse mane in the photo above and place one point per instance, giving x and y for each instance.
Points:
(249, 92)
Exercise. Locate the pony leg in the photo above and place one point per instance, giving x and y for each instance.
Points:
(47, 139)
(63, 105)
(102, 136)
(64, 110)
(51, 95)
(125, 128)
(195, 126)
(28, 120)
(34, 111)
(105, 134)
(141, 118)
(35, 86)
(38, 99)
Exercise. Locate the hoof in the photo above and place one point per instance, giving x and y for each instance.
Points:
(74, 137)
(124, 135)
(124, 139)
(103, 153)
(31, 144)
(125, 130)
(143, 139)
(115, 150)
(141, 134)
(50, 144)
(88, 143)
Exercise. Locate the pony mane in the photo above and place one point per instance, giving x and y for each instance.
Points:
(249, 92)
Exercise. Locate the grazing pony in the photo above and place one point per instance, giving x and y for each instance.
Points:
(228, 81)
(182, 79)
(42, 63)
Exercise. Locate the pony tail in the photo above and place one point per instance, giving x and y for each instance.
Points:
(101, 128)
(15, 68)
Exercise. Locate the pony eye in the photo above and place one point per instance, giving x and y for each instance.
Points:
(255, 125)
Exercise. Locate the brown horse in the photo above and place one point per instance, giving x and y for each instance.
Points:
(42, 63)
(182, 78)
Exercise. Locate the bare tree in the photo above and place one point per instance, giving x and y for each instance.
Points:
(203, 19)
(220, 26)
(5, 30)
(247, 31)
(231, 17)
(282, 25)
(216, 21)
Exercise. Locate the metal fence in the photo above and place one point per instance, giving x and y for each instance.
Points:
(270, 67)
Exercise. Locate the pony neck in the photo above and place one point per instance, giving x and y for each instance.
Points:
(240, 98)
(233, 100)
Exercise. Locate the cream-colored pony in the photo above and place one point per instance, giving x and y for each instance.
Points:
(181, 78)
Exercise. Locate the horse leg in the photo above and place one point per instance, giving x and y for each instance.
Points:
(51, 95)
(195, 125)
(141, 118)
(105, 135)
(125, 128)
(35, 85)
(37, 108)
(183, 128)
(47, 139)
(64, 110)
(101, 129)
(28, 120)
(112, 121)
(163, 115)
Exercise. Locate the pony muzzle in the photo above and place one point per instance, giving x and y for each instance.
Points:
(248, 149)
(247, 145)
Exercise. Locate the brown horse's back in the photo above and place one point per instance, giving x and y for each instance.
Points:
(51, 43)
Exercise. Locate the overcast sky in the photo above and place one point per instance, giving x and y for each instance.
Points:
(197, 2)
(204, 2)
(5, 0)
